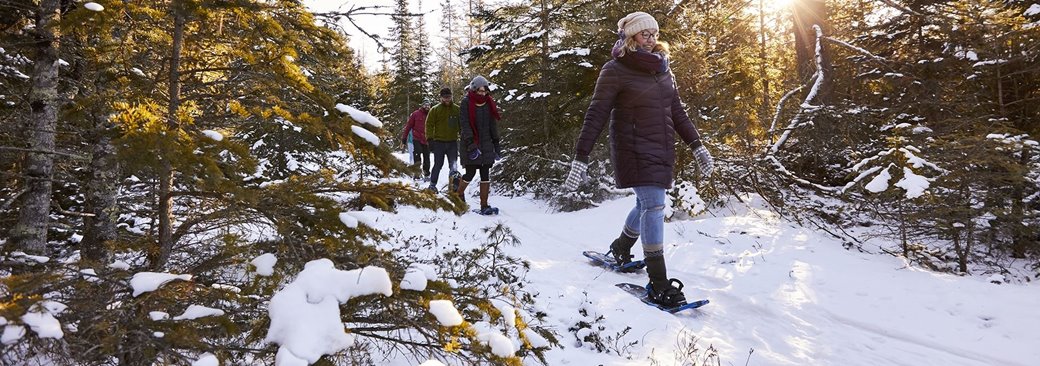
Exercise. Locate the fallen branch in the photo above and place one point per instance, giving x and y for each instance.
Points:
(779, 107)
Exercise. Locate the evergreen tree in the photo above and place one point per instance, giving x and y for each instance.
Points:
(529, 45)
(407, 93)
(30, 232)
(425, 81)
(923, 95)
(451, 65)
(262, 158)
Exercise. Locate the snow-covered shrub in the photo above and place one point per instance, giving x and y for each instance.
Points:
(590, 332)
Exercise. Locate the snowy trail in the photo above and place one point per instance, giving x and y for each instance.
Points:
(793, 295)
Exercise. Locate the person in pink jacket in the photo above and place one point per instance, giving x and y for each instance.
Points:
(417, 127)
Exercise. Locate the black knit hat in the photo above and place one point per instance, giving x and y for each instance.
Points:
(445, 92)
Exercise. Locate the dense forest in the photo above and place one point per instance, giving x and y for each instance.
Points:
(193, 136)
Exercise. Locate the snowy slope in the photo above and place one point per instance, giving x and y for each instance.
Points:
(791, 294)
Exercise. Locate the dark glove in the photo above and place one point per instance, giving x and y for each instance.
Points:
(474, 154)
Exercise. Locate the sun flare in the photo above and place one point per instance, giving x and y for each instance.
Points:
(772, 6)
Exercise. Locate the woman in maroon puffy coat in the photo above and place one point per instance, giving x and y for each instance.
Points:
(636, 93)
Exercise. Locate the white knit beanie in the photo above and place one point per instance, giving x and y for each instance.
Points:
(637, 22)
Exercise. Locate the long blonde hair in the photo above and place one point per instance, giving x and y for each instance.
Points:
(631, 45)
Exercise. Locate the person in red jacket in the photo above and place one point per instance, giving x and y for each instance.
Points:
(417, 127)
(637, 99)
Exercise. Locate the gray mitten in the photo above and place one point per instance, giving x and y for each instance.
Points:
(576, 176)
(704, 161)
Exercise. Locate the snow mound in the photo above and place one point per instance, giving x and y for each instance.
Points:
(365, 134)
(207, 359)
(417, 276)
(305, 317)
(880, 182)
(213, 135)
(264, 264)
(914, 184)
(359, 115)
(198, 311)
(150, 281)
(445, 312)
(500, 345)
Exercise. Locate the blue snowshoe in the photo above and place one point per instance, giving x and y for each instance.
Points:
(487, 211)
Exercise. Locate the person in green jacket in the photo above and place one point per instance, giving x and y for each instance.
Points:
(442, 133)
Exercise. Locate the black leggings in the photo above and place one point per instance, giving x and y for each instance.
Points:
(421, 154)
(471, 170)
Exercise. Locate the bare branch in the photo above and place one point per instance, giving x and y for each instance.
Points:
(780, 106)
(903, 8)
(13, 199)
(857, 49)
(364, 10)
(68, 155)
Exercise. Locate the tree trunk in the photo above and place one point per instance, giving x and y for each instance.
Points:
(903, 240)
(545, 71)
(1020, 240)
(166, 173)
(765, 106)
(101, 189)
(969, 241)
(806, 14)
(958, 249)
(30, 232)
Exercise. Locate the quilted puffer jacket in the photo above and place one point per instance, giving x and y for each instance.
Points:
(645, 114)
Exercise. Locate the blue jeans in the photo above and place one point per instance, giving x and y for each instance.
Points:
(647, 219)
(440, 149)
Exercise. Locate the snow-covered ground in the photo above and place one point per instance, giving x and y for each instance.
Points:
(794, 296)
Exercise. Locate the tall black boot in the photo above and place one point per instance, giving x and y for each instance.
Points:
(656, 269)
(661, 290)
(621, 249)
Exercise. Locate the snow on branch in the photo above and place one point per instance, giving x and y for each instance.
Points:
(780, 106)
(534, 35)
(575, 51)
(807, 102)
(855, 48)
(902, 8)
(819, 76)
(783, 170)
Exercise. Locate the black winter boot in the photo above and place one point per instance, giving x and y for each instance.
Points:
(660, 289)
(621, 249)
(454, 179)
(671, 297)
